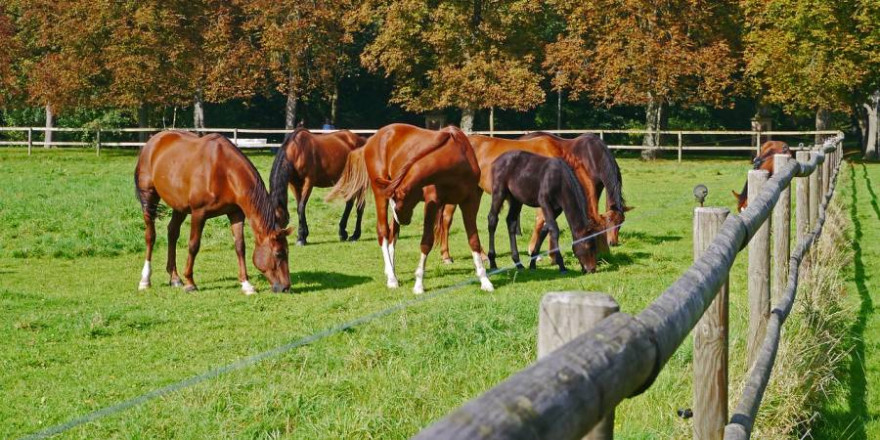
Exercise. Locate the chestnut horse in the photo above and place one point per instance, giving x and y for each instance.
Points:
(404, 165)
(764, 161)
(604, 172)
(519, 177)
(488, 149)
(306, 161)
(208, 177)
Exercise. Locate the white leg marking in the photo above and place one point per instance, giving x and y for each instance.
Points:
(145, 276)
(419, 288)
(247, 288)
(485, 284)
(389, 265)
(393, 210)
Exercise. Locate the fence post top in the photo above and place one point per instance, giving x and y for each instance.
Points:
(760, 173)
(706, 210)
(578, 297)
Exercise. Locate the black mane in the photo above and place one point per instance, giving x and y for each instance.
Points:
(282, 170)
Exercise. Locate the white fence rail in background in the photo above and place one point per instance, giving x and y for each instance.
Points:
(683, 140)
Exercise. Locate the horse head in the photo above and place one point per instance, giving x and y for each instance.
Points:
(270, 257)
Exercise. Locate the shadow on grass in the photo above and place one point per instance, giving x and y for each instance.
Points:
(316, 281)
(850, 422)
(647, 238)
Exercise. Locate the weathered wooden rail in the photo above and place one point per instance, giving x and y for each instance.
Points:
(101, 137)
(567, 392)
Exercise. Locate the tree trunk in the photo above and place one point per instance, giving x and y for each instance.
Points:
(334, 103)
(873, 129)
(654, 118)
(198, 110)
(859, 119)
(50, 119)
(143, 112)
(290, 106)
(823, 122)
(467, 119)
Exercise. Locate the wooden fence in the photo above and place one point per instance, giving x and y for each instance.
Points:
(705, 140)
(573, 390)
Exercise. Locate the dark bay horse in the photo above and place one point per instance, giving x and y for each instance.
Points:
(306, 161)
(519, 177)
(604, 172)
(764, 161)
(208, 177)
(404, 165)
(488, 149)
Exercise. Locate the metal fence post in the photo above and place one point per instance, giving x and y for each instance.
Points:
(679, 146)
(30, 139)
(710, 340)
(98, 142)
(759, 274)
(565, 316)
(781, 232)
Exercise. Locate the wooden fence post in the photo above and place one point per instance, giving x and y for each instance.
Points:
(710, 340)
(565, 316)
(781, 233)
(759, 274)
(679, 146)
(98, 142)
(814, 193)
(803, 205)
(30, 139)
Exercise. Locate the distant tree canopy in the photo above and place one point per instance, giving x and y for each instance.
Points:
(641, 59)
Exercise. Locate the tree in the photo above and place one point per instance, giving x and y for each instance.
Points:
(469, 55)
(646, 53)
(10, 51)
(804, 54)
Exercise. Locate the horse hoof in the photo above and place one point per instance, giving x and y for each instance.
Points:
(143, 285)
(343, 236)
(392, 284)
(175, 283)
(486, 285)
(563, 271)
(300, 242)
(447, 261)
(418, 290)
(519, 266)
(354, 237)
(190, 289)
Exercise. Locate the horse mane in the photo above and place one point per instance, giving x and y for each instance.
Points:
(575, 186)
(609, 170)
(393, 184)
(258, 194)
(279, 178)
(537, 134)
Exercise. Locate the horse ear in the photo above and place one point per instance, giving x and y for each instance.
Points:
(735, 195)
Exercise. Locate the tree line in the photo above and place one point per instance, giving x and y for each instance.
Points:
(474, 56)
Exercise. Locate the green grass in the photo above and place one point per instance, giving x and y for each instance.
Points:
(852, 410)
(76, 336)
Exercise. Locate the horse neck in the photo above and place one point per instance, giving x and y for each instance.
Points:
(255, 203)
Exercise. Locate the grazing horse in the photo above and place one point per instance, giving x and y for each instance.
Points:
(208, 177)
(764, 161)
(521, 178)
(604, 173)
(404, 165)
(306, 161)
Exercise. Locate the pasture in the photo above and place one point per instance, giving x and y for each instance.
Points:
(76, 335)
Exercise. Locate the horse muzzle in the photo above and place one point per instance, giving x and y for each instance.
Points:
(279, 288)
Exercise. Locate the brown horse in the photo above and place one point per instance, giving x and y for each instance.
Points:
(488, 149)
(522, 178)
(604, 172)
(764, 161)
(306, 161)
(405, 165)
(208, 177)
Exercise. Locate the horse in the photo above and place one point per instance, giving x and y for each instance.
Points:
(604, 172)
(306, 161)
(764, 161)
(403, 165)
(520, 177)
(208, 177)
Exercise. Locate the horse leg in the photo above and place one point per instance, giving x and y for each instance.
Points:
(177, 218)
(357, 224)
(533, 261)
(441, 231)
(150, 202)
(195, 239)
(306, 191)
(469, 209)
(553, 229)
(498, 196)
(513, 213)
(343, 235)
(384, 234)
(431, 210)
(534, 244)
(236, 221)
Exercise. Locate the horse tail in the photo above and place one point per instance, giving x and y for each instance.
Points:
(279, 178)
(393, 184)
(354, 181)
